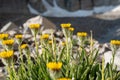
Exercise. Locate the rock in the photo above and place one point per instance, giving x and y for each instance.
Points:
(115, 2)
(62, 3)
(12, 32)
(108, 58)
(3, 73)
(13, 6)
(75, 5)
(38, 5)
(98, 2)
(50, 2)
(46, 24)
(9, 26)
(114, 34)
(58, 34)
(70, 5)
(86, 4)
(107, 2)
(27, 36)
(1, 63)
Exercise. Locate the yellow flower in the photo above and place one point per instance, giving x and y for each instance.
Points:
(6, 54)
(71, 29)
(65, 25)
(2, 36)
(54, 65)
(82, 34)
(115, 42)
(63, 43)
(18, 36)
(64, 79)
(50, 42)
(8, 42)
(34, 26)
(45, 36)
(23, 46)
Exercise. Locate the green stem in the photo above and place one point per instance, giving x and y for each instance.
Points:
(36, 45)
(53, 47)
(103, 68)
(9, 71)
(22, 62)
(67, 49)
(91, 42)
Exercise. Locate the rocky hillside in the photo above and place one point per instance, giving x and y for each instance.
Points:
(20, 6)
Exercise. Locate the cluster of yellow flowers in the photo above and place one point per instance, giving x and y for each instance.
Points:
(2, 36)
(54, 65)
(64, 79)
(23, 46)
(65, 25)
(19, 36)
(8, 42)
(82, 34)
(115, 42)
(34, 26)
(45, 36)
(6, 54)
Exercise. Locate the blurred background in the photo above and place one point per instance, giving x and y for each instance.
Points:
(101, 16)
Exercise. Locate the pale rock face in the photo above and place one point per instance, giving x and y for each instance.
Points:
(45, 24)
(108, 58)
(9, 26)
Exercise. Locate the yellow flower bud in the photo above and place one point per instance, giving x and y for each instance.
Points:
(82, 34)
(54, 65)
(34, 26)
(45, 36)
(18, 36)
(23, 46)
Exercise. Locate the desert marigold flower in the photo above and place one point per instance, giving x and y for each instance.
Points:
(6, 54)
(50, 42)
(82, 34)
(65, 25)
(45, 36)
(115, 42)
(54, 65)
(34, 26)
(18, 36)
(64, 79)
(2, 36)
(8, 42)
(63, 43)
(71, 29)
(23, 46)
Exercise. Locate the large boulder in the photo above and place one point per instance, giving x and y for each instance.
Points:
(108, 56)
(9, 26)
(98, 2)
(38, 5)
(45, 23)
(86, 4)
(70, 5)
(115, 2)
